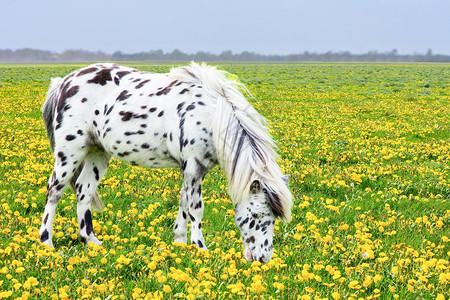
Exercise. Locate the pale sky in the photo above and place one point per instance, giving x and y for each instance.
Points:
(266, 27)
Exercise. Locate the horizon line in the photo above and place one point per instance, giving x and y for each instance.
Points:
(393, 51)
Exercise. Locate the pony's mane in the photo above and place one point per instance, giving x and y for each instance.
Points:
(244, 147)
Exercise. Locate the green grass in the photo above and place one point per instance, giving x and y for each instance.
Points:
(367, 147)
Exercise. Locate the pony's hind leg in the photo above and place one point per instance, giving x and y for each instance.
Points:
(95, 165)
(65, 166)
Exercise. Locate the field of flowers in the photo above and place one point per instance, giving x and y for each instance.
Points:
(368, 150)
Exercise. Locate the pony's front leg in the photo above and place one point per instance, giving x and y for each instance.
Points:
(191, 206)
(180, 227)
(195, 207)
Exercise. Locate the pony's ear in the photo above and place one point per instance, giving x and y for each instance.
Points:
(285, 178)
(255, 187)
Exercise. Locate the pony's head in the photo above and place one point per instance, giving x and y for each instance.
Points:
(255, 218)
(246, 152)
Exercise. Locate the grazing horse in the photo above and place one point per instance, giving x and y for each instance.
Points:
(193, 117)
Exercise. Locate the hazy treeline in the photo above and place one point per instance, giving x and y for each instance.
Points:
(33, 55)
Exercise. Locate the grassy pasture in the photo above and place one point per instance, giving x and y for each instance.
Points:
(368, 150)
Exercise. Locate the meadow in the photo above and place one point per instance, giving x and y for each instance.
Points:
(368, 150)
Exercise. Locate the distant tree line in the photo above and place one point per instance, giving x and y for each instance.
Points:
(33, 55)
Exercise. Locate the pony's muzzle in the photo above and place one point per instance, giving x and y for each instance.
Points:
(249, 256)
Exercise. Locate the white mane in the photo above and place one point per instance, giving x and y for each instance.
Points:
(244, 148)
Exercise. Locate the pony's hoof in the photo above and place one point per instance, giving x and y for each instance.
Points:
(91, 239)
(180, 240)
(48, 243)
(200, 244)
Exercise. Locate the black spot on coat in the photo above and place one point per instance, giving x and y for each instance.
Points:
(87, 71)
(66, 93)
(198, 205)
(167, 89)
(179, 107)
(102, 77)
(45, 219)
(97, 177)
(140, 85)
(250, 239)
(44, 236)
(123, 96)
(252, 224)
(88, 218)
(192, 218)
(122, 73)
(126, 115)
(109, 110)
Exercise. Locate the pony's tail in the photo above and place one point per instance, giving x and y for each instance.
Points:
(97, 204)
(49, 109)
(48, 114)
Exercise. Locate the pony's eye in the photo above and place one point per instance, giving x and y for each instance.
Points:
(256, 216)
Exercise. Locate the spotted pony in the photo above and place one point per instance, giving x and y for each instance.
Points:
(193, 117)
